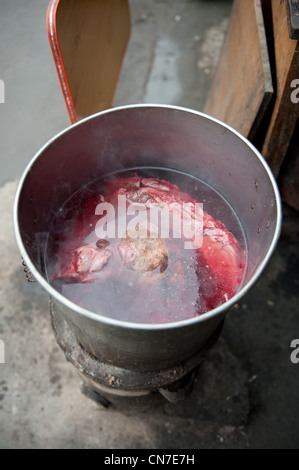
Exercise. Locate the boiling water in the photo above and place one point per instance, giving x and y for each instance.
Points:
(185, 289)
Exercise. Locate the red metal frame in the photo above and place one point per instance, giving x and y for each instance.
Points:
(54, 44)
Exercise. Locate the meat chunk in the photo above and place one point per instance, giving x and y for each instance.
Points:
(84, 265)
(143, 254)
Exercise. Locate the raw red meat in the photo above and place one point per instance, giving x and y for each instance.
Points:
(220, 261)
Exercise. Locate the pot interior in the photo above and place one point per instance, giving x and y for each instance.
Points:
(149, 136)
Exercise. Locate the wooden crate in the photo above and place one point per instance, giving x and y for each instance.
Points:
(242, 87)
(259, 65)
(286, 111)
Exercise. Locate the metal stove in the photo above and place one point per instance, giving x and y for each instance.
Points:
(106, 380)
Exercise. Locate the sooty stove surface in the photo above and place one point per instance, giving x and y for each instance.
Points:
(103, 381)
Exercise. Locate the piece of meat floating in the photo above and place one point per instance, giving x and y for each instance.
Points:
(220, 251)
(223, 255)
(143, 254)
(215, 268)
(85, 264)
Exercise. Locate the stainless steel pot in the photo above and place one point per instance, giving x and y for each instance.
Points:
(159, 136)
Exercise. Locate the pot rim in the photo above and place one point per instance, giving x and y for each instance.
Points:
(147, 326)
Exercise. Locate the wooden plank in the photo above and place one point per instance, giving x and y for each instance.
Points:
(90, 38)
(242, 87)
(286, 112)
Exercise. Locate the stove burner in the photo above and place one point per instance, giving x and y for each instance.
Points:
(105, 379)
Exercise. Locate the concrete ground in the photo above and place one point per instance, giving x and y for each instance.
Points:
(246, 393)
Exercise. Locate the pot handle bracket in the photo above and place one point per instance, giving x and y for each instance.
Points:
(29, 275)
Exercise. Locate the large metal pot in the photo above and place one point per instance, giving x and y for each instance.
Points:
(159, 136)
